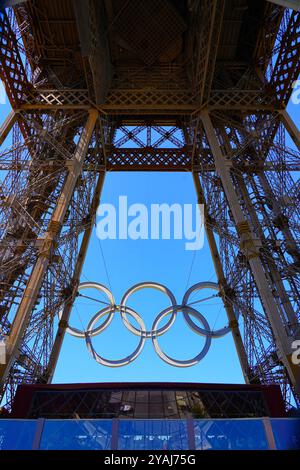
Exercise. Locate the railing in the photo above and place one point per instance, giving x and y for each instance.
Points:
(138, 434)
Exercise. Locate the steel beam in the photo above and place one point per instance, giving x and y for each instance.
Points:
(140, 102)
(30, 295)
(290, 127)
(271, 265)
(292, 4)
(7, 126)
(233, 322)
(12, 3)
(250, 247)
(60, 334)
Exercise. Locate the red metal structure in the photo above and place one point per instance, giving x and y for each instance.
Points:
(147, 401)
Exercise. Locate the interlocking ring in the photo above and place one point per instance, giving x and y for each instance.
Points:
(190, 362)
(82, 334)
(120, 362)
(202, 331)
(148, 285)
(155, 332)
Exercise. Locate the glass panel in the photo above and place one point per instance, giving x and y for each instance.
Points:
(76, 435)
(16, 434)
(156, 408)
(152, 435)
(222, 434)
(286, 433)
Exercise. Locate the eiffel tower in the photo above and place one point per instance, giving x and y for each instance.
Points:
(87, 79)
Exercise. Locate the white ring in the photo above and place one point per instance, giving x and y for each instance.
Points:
(91, 285)
(189, 362)
(216, 333)
(148, 285)
(119, 362)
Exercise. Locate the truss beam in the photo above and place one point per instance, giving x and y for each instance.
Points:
(292, 4)
(250, 246)
(31, 292)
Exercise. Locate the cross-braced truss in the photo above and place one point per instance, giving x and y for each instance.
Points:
(112, 85)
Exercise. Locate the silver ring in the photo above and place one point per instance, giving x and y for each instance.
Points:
(91, 285)
(148, 285)
(155, 332)
(189, 362)
(215, 333)
(119, 362)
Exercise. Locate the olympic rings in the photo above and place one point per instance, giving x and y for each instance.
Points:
(126, 360)
(92, 285)
(190, 362)
(150, 285)
(155, 332)
(214, 334)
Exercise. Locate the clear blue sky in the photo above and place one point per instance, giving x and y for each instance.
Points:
(129, 262)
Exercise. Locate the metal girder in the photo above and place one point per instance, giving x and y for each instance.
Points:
(290, 127)
(292, 4)
(255, 184)
(7, 126)
(145, 159)
(205, 36)
(250, 246)
(287, 67)
(224, 289)
(33, 286)
(12, 71)
(151, 102)
(66, 309)
(92, 26)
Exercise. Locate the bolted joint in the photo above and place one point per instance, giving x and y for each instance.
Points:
(233, 324)
(63, 324)
(54, 227)
(243, 228)
(281, 221)
(249, 248)
(44, 246)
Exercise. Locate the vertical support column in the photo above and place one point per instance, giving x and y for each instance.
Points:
(60, 334)
(233, 322)
(290, 127)
(31, 292)
(7, 126)
(250, 249)
(285, 229)
(274, 276)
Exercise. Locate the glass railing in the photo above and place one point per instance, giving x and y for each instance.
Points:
(138, 434)
(152, 434)
(76, 435)
(286, 433)
(231, 434)
(17, 434)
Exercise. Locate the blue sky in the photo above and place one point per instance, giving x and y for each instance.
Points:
(164, 261)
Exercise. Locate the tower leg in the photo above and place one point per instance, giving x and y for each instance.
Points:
(7, 126)
(33, 286)
(290, 127)
(233, 323)
(250, 249)
(60, 334)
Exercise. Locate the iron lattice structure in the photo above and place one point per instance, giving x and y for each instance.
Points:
(164, 85)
